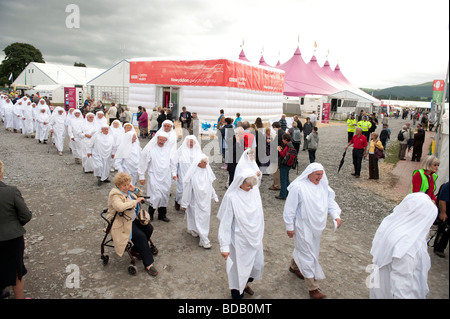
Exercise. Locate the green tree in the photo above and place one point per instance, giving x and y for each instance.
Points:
(80, 64)
(17, 57)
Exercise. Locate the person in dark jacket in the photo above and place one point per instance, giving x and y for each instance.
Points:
(419, 139)
(14, 214)
(307, 129)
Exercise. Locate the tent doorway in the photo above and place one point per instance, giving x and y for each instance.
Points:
(168, 97)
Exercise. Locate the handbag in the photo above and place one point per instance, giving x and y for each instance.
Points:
(143, 216)
(379, 153)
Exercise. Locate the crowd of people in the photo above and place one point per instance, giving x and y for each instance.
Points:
(100, 142)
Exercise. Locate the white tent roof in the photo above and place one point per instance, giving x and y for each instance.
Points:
(61, 74)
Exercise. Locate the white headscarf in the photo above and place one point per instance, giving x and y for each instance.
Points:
(171, 141)
(125, 146)
(314, 198)
(185, 153)
(43, 105)
(248, 162)
(405, 230)
(118, 132)
(59, 119)
(104, 143)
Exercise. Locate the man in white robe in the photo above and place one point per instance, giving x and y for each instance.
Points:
(198, 191)
(88, 131)
(128, 154)
(2, 107)
(8, 115)
(241, 232)
(160, 164)
(43, 120)
(309, 201)
(102, 152)
(399, 248)
(187, 152)
(74, 130)
(58, 128)
(17, 115)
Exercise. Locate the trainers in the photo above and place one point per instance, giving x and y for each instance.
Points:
(193, 233)
(202, 244)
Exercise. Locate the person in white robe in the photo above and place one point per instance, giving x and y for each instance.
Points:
(34, 113)
(8, 115)
(197, 195)
(17, 115)
(117, 131)
(2, 107)
(27, 119)
(128, 153)
(88, 131)
(166, 127)
(309, 201)
(68, 118)
(186, 153)
(399, 248)
(43, 120)
(74, 130)
(58, 128)
(241, 232)
(161, 167)
(43, 104)
(102, 153)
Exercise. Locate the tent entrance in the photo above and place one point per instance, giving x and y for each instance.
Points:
(168, 97)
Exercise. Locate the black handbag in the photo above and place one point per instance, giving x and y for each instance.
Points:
(379, 153)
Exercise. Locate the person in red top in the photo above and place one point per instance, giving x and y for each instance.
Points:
(424, 179)
(359, 142)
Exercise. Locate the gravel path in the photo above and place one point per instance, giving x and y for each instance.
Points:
(66, 231)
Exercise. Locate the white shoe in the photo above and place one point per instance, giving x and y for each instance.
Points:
(202, 244)
(193, 233)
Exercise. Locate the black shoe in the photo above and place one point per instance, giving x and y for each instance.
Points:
(164, 219)
(106, 181)
(177, 206)
(278, 197)
(99, 183)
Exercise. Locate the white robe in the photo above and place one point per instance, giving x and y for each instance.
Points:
(161, 166)
(305, 212)
(241, 232)
(186, 156)
(57, 124)
(86, 144)
(8, 114)
(27, 119)
(102, 151)
(400, 253)
(43, 120)
(197, 195)
(128, 155)
(74, 130)
(17, 115)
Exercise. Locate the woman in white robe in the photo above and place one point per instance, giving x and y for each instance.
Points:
(160, 165)
(58, 128)
(117, 132)
(102, 153)
(8, 114)
(2, 106)
(197, 195)
(128, 154)
(88, 131)
(309, 201)
(399, 248)
(74, 130)
(34, 113)
(43, 120)
(241, 232)
(27, 119)
(17, 115)
(186, 153)
(43, 104)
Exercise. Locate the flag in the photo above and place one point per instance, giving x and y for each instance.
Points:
(10, 77)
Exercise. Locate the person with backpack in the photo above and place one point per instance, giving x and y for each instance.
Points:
(287, 160)
(313, 144)
(296, 135)
(402, 138)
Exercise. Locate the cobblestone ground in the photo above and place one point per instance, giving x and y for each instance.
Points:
(63, 238)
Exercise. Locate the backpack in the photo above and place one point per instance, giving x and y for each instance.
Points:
(291, 158)
(297, 135)
(400, 136)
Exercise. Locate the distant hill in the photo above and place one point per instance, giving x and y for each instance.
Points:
(420, 92)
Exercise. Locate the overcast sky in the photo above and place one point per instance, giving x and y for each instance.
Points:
(377, 44)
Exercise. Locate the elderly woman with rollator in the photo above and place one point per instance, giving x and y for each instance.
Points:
(134, 224)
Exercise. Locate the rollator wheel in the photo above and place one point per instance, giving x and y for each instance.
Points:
(105, 259)
(154, 250)
(132, 269)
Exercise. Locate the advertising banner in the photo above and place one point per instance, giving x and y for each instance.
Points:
(70, 98)
(326, 112)
(438, 91)
(219, 72)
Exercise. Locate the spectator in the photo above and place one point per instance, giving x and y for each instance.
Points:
(403, 144)
(153, 122)
(237, 120)
(143, 124)
(112, 113)
(313, 144)
(283, 122)
(419, 139)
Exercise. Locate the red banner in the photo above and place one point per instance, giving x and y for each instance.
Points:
(326, 112)
(219, 72)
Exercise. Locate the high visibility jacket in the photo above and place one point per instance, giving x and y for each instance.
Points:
(364, 125)
(425, 186)
(351, 125)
